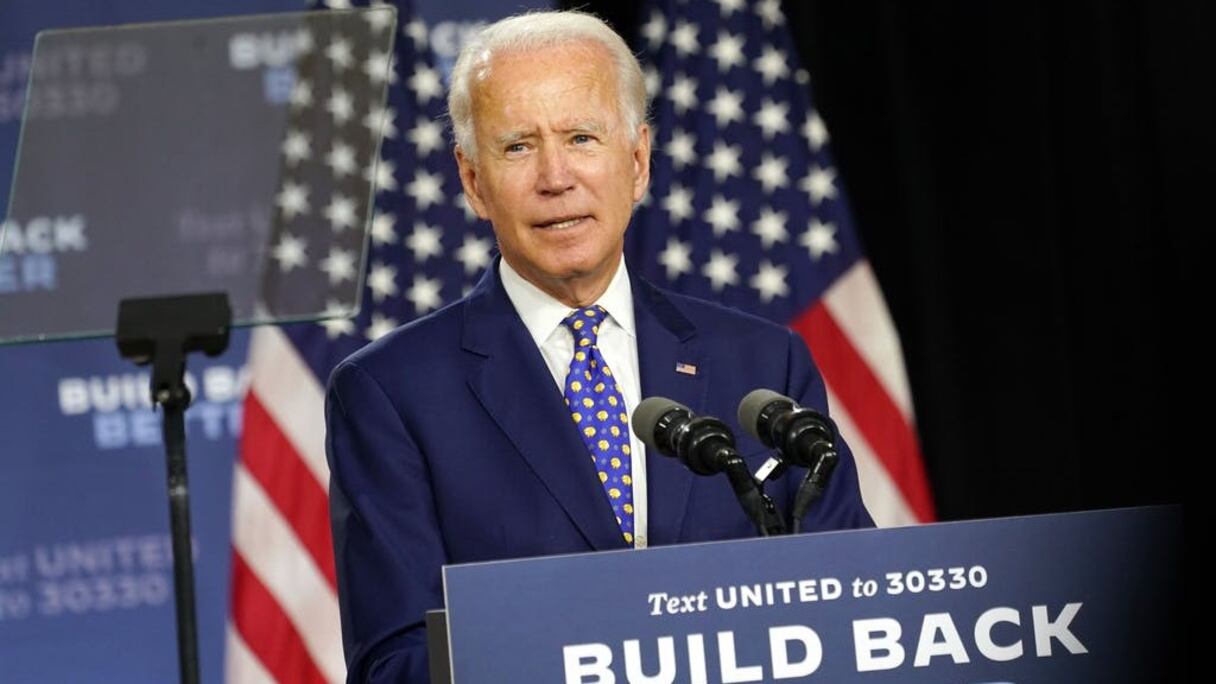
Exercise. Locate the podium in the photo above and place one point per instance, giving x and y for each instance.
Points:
(1079, 597)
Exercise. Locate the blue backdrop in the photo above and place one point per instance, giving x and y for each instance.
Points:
(86, 586)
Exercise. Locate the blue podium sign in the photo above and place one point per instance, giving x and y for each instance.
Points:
(1080, 597)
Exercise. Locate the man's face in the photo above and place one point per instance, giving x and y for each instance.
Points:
(556, 173)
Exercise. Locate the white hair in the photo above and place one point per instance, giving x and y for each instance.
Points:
(535, 31)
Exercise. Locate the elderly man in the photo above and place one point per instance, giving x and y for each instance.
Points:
(498, 426)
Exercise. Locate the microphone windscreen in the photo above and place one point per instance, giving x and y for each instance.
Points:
(751, 406)
(646, 417)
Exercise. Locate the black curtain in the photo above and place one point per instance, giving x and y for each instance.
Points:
(1029, 180)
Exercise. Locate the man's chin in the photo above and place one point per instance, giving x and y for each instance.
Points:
(575, 283)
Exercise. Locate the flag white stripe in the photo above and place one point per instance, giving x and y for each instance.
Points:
(856, 304)
(273, 552)
(241, 666)
(292, 395)
(880, 493)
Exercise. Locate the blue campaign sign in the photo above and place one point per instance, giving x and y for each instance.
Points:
(86, 580)
(86, 584)
(1082, 597)
(86, 575)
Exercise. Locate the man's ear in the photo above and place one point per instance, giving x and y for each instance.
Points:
(641, 163)
(469, 180)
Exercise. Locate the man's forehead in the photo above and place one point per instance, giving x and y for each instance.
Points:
(572, 53)
(567, 89)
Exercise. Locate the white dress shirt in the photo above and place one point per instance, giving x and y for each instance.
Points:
(617, 341)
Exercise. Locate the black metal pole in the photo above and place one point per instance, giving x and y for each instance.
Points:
(162, 331)
(174, 402)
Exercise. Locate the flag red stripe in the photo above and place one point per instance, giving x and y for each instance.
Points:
(273, 462)
(267, 631)
(875, 413)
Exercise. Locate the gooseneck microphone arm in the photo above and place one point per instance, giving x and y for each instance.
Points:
(705, 446)
(759, 508)
(812, 487)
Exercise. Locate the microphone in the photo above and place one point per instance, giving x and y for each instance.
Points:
(803, 436)
(703, 444)
(706, 446)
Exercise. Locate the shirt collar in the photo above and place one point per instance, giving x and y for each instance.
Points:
(542, 314)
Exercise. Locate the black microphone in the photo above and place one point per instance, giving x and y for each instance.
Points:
(706, 446)
(703, 444)
(803, 436)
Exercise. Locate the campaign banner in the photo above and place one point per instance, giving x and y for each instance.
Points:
(1081, 597)
(86, 574)
(86, 580)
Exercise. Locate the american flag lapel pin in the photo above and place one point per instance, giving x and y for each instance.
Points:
(686, 368)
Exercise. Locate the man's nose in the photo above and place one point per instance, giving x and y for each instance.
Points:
(554, 175)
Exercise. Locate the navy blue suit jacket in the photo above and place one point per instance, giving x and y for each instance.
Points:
(449, 442)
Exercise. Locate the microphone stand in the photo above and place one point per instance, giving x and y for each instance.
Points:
(161, 331)
(812, 487)
(758, 506)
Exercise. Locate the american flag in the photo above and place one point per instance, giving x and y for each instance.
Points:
(746, 208)
(426, 249)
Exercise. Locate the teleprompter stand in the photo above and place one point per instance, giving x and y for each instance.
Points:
(203, 214)
(161, 332)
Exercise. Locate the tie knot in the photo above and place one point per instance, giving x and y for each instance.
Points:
(585, 323)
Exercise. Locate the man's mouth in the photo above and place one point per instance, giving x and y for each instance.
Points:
(562, 223)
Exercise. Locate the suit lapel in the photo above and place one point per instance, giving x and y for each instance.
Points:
(667, 342)
(512, 382)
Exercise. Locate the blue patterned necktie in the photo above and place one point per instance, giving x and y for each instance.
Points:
(598, 409)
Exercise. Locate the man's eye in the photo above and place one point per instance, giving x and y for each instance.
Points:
(581, 138)
(515, 147)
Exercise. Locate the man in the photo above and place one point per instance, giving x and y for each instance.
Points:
(498, 426)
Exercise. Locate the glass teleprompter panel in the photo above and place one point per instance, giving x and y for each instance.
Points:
(231, 155)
